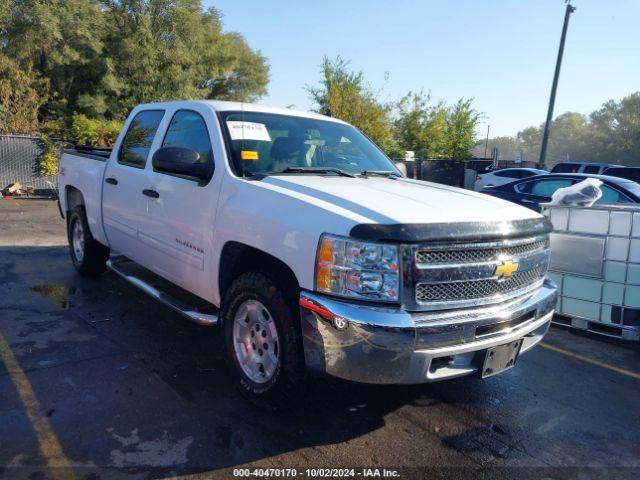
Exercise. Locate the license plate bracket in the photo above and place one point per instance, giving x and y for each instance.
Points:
(500, 358)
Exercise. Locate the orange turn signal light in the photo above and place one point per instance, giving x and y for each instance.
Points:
(325, 262)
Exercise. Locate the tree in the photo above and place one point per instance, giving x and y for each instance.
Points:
(19, 99)
(102, 57)
(60, 42)
(435, 131)
(572, 136)
(421, 127)
(461, 124)
(610, 134)
(344, 94)
(617, 130)
(169, 49)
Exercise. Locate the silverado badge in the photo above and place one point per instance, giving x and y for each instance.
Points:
(506, 269)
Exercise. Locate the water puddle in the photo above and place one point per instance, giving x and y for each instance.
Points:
(59, 293)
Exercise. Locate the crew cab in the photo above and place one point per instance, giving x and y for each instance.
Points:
(298, 237)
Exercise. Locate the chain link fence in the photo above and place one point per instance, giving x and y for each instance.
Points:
(20, 162)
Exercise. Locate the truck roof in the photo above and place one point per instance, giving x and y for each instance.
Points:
(224, 106)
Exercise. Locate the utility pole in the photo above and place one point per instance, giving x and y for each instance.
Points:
(486, 142)
(552, 99)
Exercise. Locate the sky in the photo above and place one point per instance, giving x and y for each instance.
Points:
(501, 53)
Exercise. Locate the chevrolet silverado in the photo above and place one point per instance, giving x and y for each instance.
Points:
(297, 236)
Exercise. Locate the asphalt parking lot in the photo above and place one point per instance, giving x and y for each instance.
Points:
(99, 381)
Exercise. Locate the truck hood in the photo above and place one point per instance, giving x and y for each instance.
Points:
(392, 201)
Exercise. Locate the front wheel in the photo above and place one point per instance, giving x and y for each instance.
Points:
(263, 340)
(89, 257)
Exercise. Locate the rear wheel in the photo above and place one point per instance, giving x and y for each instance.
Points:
(263, 340)
(89, 257)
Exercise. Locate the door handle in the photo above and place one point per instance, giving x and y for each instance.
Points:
(111, 181)
(150, 193)
(524, 200)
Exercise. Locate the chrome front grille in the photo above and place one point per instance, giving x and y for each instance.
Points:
(458, 275)
(438, 292)
(475, 255)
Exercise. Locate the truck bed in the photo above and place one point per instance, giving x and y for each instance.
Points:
(96, 153)
(82, 168)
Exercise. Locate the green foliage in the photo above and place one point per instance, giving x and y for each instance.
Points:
(609, 134)
(435, 131)
(49, 158)
(19, 99)
(59, 42)
(616, 131)
(432, 131)
(461, 124)
(85, 130)
(344, 94)
(421, 127)
(100, 58)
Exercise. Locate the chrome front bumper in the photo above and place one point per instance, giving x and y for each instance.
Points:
(371, 344)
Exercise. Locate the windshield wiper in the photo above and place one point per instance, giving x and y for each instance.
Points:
(379, 173)
(335, 170)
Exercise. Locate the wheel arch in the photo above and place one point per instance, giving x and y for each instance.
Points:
(237, 258)
(73, 199)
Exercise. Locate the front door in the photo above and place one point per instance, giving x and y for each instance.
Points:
(177, 230)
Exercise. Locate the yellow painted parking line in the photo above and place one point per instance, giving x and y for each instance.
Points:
(592, 361)
(50, 448)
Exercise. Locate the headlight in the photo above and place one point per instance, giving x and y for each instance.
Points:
(351, 268)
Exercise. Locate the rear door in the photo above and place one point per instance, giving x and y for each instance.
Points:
(125, 178)
(177, 230)
(533, 192)
(505, 176)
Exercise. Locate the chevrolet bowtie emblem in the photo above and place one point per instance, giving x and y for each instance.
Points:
(507, 269)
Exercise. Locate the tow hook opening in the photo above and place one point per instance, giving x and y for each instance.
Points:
(441, 362)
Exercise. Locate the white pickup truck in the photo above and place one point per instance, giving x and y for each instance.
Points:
(298, 236)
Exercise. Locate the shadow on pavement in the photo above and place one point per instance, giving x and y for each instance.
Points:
(127, 384)
(131, 388)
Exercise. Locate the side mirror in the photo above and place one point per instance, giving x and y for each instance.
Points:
(180, 161)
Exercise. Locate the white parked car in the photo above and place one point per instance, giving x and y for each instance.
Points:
(583, 167)
(300, 238)
(505, 175)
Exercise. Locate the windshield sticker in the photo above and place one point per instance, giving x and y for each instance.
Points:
(249, 155)
(248, 131)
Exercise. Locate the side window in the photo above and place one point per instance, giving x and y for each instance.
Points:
(137, 141)
(544, 188)
(591, 169)
(610, 195)
(188, 129)
(501, 173)
(566, 168)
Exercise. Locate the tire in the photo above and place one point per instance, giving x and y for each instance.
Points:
(255, 303)
(89, 257)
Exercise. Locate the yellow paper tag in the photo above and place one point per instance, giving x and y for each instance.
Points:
(249, 155)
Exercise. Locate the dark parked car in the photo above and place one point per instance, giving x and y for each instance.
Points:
(533, 191)
(630, 173)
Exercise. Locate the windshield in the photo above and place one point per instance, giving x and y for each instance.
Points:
(267, 143)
